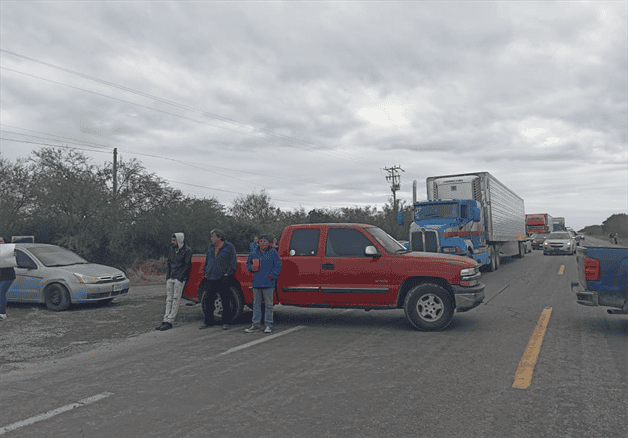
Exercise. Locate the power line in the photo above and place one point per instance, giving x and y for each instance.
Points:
(179, 182)
(195, 165)
(168, 102)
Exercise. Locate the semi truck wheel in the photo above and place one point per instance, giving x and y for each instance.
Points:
(429, 307)
(492, 266)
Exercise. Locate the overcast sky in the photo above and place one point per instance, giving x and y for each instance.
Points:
(312, 100)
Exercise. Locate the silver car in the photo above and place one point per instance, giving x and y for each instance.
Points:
(559, 242)
(58, 277)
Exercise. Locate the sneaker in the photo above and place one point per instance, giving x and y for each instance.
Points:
(160, 326)
(253, 328)
(165, 326)
(3, 316)
(268, 330)
(226, 326)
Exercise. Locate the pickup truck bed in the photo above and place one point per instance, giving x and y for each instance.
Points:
(602, 278)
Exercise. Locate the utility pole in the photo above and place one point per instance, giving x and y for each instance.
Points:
(394, 178)
(115, 172)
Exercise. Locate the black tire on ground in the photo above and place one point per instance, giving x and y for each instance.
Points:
(491, 267)
(57, 297)
(237, 305)
(429, 307)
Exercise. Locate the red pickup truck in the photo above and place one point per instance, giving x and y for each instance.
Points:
(358, 266)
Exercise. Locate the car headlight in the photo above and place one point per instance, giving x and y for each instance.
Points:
(87, 279)
(545, 243)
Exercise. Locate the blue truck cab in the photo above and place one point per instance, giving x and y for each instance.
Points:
(450, 227)
(602, 278)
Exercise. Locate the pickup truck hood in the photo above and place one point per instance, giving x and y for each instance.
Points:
(463, 262)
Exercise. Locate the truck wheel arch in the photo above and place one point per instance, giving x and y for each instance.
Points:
(409, 283)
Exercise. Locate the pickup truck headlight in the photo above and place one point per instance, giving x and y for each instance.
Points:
(87, 279)
(470, 276)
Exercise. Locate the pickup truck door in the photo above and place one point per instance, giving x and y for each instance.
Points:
(299, 281)
(351, 278)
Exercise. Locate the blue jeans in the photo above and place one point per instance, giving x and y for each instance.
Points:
(267, 293)
(4, 288)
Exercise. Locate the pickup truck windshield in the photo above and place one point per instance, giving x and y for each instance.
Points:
(431, 211)
(390, 245)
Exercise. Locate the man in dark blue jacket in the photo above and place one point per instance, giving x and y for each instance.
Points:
(264, 277)
(220, 267)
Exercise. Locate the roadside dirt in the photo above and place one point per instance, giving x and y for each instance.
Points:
(32, 333)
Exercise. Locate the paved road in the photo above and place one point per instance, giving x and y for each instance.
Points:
(339, 373)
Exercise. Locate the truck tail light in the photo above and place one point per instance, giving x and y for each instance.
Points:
(591, 269)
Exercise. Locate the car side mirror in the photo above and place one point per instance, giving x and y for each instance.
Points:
(24, 264)
(371, 251)
(400, 219)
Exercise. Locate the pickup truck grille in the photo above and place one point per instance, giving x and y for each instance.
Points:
(425, 241)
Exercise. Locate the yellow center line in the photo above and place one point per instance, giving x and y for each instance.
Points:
(560, 271)
(523, 376)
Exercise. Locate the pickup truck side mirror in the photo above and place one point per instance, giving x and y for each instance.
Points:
(400, 219)
(371, 251)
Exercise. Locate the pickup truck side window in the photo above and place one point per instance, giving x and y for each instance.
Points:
(346, 242)
(304, 242)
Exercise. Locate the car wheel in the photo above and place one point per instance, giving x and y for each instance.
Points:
(429, 307)
(544, 253)
(57, 297)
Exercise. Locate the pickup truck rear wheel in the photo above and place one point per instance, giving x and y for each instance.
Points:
(429, 307)
(237, 306)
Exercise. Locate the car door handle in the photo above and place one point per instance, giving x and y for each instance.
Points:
(328, 266)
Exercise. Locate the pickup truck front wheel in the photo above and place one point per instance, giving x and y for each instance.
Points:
(429, 307)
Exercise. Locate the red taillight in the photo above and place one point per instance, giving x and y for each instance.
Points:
(591, 269)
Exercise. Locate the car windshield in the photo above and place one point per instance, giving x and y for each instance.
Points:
(390, 245)
(56, 256)
(559, 236)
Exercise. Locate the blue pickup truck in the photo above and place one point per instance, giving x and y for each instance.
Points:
(602, 278)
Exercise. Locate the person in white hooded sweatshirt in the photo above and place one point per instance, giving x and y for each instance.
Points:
(178, 273)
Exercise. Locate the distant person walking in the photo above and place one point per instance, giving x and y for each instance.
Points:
(266, 266)
(220, 267)
(7, 274)
(254, 244)
(177, 274)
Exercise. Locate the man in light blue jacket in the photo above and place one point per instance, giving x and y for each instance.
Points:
(265, 264)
